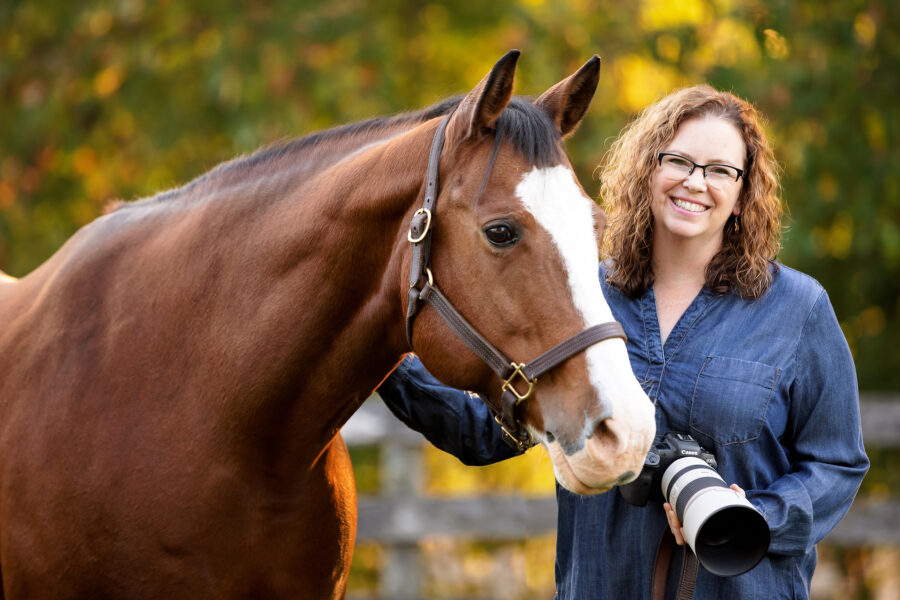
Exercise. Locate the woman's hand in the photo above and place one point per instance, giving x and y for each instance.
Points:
(675, 525)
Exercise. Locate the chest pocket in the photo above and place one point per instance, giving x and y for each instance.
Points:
(731, 398)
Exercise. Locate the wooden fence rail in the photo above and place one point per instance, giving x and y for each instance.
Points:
(399, 516)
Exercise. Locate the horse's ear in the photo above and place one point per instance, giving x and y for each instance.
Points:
(567, 101)
(481, 107)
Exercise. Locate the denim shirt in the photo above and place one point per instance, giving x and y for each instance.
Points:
(767, 385)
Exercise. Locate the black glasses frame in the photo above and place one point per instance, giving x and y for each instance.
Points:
(660, 155)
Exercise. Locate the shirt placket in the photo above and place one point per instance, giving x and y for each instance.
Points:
(653, 349)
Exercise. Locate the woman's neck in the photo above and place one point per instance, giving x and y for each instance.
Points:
(679, 272)
(679, 262)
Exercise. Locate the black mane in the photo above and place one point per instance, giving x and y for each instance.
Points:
(525, 126)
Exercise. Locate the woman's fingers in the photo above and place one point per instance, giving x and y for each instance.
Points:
(674, 524)
(738, 489)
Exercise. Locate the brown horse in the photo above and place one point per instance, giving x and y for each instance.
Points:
(174, 378)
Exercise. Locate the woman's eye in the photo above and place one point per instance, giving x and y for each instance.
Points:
(720, 171)
(500, 234)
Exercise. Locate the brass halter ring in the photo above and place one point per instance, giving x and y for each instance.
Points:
(507, 385)
(424, 234)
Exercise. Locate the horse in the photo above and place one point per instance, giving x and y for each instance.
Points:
(174, 378)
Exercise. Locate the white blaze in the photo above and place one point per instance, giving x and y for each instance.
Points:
(557, 203)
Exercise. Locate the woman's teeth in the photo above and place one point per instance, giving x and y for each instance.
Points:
(688, 206)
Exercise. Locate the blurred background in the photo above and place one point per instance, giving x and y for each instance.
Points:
(120, 99)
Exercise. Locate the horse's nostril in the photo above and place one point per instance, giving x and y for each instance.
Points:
(606, 438)
(550, 437)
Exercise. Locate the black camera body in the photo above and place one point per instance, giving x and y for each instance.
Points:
(672, 447)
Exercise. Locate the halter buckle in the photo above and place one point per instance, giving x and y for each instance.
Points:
(512, 440)
(421, 236)
(507, 385)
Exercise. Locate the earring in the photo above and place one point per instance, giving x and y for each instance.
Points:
(737, 223)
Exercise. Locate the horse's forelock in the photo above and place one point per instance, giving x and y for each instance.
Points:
(531, 133)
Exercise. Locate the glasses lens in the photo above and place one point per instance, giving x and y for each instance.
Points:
(677, 163)
(721, 173)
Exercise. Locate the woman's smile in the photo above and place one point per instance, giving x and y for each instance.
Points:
(688, 206)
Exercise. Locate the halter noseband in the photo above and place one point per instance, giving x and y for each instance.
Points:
(422, 288)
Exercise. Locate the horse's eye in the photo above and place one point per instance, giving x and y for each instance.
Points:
(500, 234)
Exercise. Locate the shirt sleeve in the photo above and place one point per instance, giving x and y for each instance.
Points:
(455, 421)
(824, 440)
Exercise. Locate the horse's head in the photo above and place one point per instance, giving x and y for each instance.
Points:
(515, 250)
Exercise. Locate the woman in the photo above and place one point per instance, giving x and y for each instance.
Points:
(743, 353)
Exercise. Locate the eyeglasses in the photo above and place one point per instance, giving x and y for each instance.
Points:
(714, 173)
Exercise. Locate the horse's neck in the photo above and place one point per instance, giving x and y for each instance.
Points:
(311, 289)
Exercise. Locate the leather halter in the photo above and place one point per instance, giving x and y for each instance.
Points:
(422, 288)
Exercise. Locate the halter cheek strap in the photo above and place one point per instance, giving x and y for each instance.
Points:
(420, 227)
(420, 231)
(423, 289)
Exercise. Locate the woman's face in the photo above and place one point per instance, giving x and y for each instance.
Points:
(694, 207)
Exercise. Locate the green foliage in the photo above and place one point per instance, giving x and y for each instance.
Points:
(104, 100)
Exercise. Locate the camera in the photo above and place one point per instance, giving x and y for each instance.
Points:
(726, 532)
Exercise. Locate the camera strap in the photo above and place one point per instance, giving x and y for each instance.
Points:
(689, 566)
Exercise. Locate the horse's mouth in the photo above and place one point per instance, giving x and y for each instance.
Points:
(570, 480)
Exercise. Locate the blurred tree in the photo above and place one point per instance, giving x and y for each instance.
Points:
(103, 100)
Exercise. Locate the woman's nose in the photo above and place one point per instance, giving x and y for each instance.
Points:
(695, 182)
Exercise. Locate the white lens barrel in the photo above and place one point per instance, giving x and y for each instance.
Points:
(687, 474)
(726, 532)
(705, 504)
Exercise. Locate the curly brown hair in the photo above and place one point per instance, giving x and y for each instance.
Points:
(742, 264)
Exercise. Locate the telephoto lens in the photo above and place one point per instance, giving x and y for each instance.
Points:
(728, 535)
